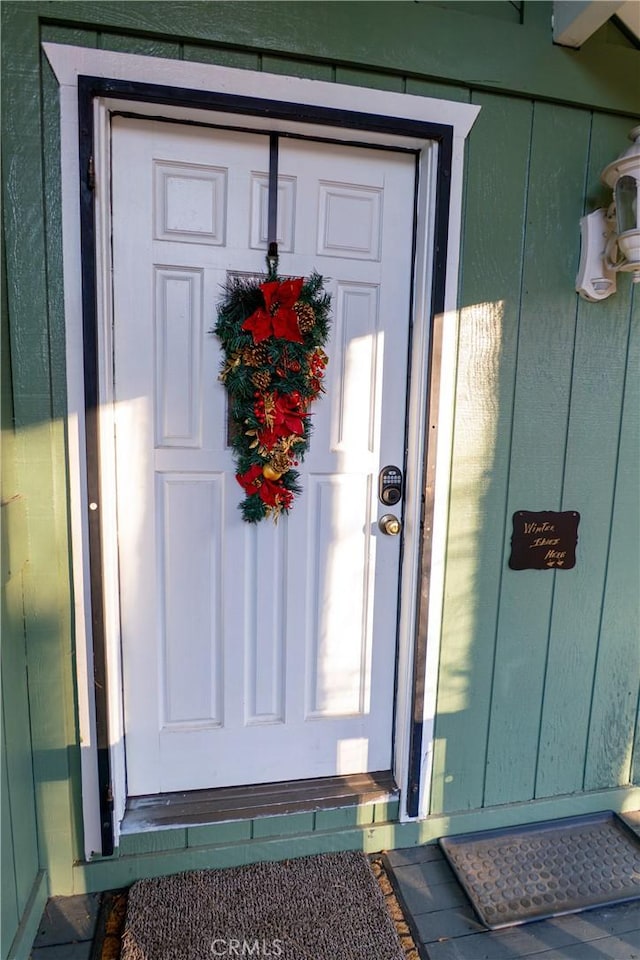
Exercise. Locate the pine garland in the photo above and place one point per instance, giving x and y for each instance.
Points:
(272, 334)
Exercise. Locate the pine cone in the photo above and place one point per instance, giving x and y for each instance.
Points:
(306, 316)
(255, 356)
(261, 379)
(280, 461)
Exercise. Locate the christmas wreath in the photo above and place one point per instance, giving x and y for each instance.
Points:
(272, 334)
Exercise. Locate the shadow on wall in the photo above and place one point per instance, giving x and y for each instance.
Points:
(538, 687)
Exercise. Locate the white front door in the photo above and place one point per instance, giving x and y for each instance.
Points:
(254, 653)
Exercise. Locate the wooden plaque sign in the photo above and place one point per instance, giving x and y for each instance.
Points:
(544, 540)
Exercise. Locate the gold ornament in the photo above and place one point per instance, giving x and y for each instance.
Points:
(269, 473)
(306, 316)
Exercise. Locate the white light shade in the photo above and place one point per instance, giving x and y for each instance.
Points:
(623, 176)
(627, 204)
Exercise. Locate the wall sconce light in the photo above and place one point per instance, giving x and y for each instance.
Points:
(611, 238)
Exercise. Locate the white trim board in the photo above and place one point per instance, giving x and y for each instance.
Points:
(70, 62)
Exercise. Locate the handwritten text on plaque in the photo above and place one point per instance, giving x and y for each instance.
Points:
(544, 540)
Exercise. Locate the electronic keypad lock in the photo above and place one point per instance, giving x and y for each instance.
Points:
(390, 485)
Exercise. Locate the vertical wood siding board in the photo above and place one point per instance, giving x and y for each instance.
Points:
(25, 251)
(596, 401)
(512, 408)
(614, 701)
(10, 915)
(19, 845)
(564, 583)
(547, 332)
(607, 554)
(497, 162)
(545, 674)
(22, 213)
(17, 737)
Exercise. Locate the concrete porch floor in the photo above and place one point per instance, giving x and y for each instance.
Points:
(445, 923)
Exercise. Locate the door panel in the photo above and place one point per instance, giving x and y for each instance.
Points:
(254, 653)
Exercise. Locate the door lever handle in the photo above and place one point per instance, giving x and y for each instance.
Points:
(390, 525)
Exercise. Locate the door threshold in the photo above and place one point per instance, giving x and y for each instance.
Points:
(162, 811)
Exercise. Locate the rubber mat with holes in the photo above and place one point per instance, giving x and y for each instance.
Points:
(546, 869)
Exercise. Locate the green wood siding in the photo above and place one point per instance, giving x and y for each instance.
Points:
(559, 139)
(20, 865)
(599, 370)
(538, 686)
(38, 375)
(491, 275)
(615, 690)
(539, 673)
(416, 39)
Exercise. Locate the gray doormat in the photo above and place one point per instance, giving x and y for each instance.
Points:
(328, 907)
(546, 869)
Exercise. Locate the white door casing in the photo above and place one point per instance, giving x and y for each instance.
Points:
(69, 63)
(254, 653)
